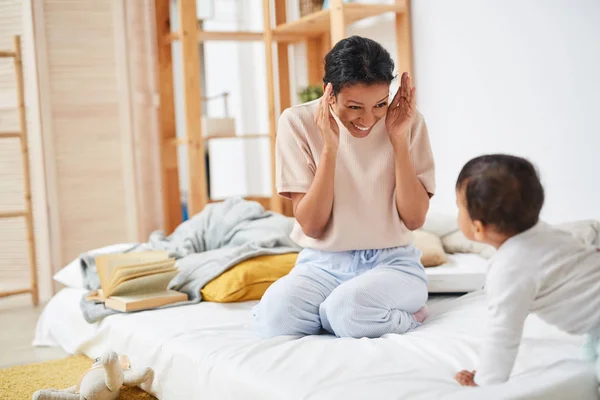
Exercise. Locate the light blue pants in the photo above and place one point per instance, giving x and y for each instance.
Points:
(362, 293)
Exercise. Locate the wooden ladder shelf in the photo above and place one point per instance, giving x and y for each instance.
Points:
(22, 136)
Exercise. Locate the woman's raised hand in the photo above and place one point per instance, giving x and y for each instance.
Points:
(402, 109)
(326, 123)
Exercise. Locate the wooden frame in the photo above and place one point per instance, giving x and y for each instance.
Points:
(16, 55)
(276, 204)
(172, 215)
(320, 31)
(188, 37)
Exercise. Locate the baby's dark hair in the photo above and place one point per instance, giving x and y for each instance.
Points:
(356, 60)
(502, 190)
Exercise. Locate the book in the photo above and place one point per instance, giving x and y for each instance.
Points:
(136, 281)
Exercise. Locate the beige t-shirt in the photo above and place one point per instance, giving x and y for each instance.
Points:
(364, 214)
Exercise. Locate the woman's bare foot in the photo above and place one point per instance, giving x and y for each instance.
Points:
(421, 315)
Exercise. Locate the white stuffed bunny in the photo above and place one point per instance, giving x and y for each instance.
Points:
(102, 381)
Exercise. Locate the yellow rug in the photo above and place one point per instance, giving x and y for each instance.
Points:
(20, 382)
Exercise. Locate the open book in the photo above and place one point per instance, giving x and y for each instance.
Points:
(136, 281)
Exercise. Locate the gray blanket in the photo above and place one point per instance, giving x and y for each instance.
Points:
(220, 236)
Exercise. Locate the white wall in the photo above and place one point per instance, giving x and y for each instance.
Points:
(511, 76)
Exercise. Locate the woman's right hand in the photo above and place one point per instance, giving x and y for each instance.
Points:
(326, 123)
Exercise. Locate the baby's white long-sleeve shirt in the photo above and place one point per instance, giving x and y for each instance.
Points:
(545, 271)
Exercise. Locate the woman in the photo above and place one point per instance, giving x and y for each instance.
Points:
(360, 172)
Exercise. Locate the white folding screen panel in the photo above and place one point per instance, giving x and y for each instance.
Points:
(97, 87)
(82, 126)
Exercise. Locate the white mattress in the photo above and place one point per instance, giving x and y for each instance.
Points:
(208, 351)
(462, 273)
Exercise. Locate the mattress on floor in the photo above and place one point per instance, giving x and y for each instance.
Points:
(209, 351)
(462, 273)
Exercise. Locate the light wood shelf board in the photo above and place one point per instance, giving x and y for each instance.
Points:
(185, 141)
(239, 36)
(320, 21)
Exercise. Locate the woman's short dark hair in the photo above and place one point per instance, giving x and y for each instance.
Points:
(502, 190)
(357, 60)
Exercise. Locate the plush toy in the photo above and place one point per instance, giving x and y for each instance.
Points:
(102, 381)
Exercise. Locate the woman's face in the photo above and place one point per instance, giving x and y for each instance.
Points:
(360, 106)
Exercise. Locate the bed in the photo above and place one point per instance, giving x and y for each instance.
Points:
(209, 351)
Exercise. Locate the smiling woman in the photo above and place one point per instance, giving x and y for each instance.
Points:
(359, 170)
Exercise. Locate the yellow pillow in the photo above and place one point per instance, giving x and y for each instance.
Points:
(249, 279)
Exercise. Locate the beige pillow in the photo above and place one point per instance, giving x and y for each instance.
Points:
(458, 243)
(431, 247)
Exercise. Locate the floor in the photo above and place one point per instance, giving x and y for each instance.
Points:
(18, 318)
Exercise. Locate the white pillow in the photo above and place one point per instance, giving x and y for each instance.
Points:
(440, 224)
(587, 231)
(71, 275)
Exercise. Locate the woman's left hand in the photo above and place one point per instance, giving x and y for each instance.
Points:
(402, 110)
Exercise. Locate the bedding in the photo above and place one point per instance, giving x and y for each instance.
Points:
(222, 235)
(209, 351)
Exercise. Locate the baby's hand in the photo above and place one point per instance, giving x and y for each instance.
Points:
(466, 378)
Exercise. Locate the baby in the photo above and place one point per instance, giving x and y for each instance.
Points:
(536, 268)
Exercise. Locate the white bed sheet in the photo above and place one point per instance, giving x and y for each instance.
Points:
(209, 351)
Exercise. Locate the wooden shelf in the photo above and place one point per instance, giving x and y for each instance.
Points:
(185, 141)
(320, 22)
(239, 36)
(296, 31)
(356, 12)
(230, 36)
(320, 31)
